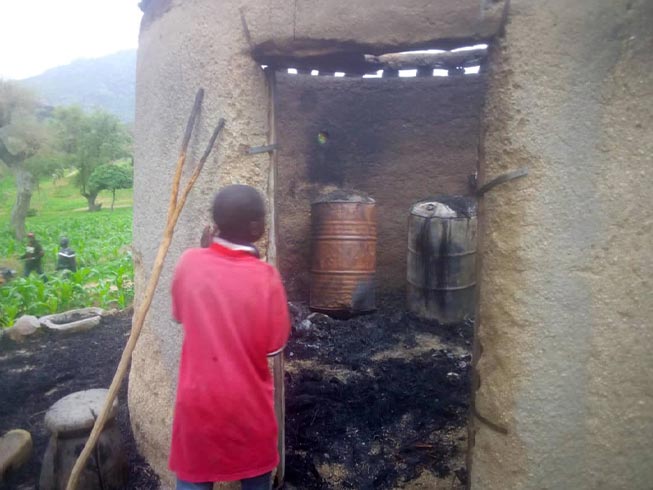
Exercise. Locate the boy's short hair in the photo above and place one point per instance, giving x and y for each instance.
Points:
(235, 207)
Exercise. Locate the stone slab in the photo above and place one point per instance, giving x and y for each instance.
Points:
(15, 450)
(77, 411)
(59, 321)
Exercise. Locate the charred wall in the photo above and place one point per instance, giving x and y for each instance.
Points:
(398, 139)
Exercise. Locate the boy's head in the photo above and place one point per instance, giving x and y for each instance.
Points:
(239, 213)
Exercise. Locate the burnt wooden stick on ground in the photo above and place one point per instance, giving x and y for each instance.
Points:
(142, 311)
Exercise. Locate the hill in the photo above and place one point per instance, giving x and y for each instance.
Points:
(107, 82)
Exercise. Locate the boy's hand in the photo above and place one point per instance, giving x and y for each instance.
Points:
(207, 236)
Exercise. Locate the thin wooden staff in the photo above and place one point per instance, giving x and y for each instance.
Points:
(199, 97)
(144, 307)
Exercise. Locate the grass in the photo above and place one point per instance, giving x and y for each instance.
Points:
(55, 198)
(101, 241)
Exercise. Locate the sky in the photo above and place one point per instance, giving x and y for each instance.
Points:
(36, 35)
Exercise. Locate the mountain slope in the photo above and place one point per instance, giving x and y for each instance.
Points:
(107, 82)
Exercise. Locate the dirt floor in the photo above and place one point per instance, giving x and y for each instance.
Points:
(50, 365)
(377, 401)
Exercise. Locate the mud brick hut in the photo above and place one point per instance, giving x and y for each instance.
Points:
(562, 391)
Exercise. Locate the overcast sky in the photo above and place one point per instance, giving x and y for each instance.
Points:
(39, 34)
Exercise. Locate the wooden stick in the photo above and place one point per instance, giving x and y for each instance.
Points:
(278, 360)
(193, 178)
(199, 97)
(209, 147)
(280, 411)
(140, 315)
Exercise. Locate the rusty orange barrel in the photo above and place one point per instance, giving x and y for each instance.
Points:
(441, 266)
(343, 264)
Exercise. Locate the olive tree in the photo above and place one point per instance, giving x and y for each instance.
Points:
(22, 135)
(91, 140)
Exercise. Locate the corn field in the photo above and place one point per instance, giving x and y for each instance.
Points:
(104, 276)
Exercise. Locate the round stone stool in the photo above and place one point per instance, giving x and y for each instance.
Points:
(70, 421)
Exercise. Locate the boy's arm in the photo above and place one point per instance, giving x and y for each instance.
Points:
(279, 319)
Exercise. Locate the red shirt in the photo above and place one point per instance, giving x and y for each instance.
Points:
(234, 311)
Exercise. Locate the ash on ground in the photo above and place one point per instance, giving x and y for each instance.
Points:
(49, 365)
(376, 401)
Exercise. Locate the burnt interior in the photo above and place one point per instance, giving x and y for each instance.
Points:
(378, 400)
(400, 140)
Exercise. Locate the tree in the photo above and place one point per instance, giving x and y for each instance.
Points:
(91, 140)
(111, 177)
(22, 134)
(46, 164)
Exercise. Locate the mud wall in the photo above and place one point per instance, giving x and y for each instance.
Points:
(565, 370)
(187, 44)
(175, 58)
(398, 139)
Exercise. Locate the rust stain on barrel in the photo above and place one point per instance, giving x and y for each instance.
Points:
(344, 256)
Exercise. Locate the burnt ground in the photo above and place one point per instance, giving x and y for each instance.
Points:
(376, 401)
(47, 366)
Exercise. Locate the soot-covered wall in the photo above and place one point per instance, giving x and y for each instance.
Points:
(398, 139)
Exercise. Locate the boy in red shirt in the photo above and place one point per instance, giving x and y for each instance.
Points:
(235, 314)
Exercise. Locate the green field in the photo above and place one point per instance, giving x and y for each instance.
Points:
(101, 240)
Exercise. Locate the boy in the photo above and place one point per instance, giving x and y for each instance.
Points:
(234, 312)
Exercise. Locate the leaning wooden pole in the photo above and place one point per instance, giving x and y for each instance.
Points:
(176, 206)
(199, 97)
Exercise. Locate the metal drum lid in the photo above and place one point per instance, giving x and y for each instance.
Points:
(445, 207)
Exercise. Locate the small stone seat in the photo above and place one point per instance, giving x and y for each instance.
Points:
(15, 450)
(70, 421)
